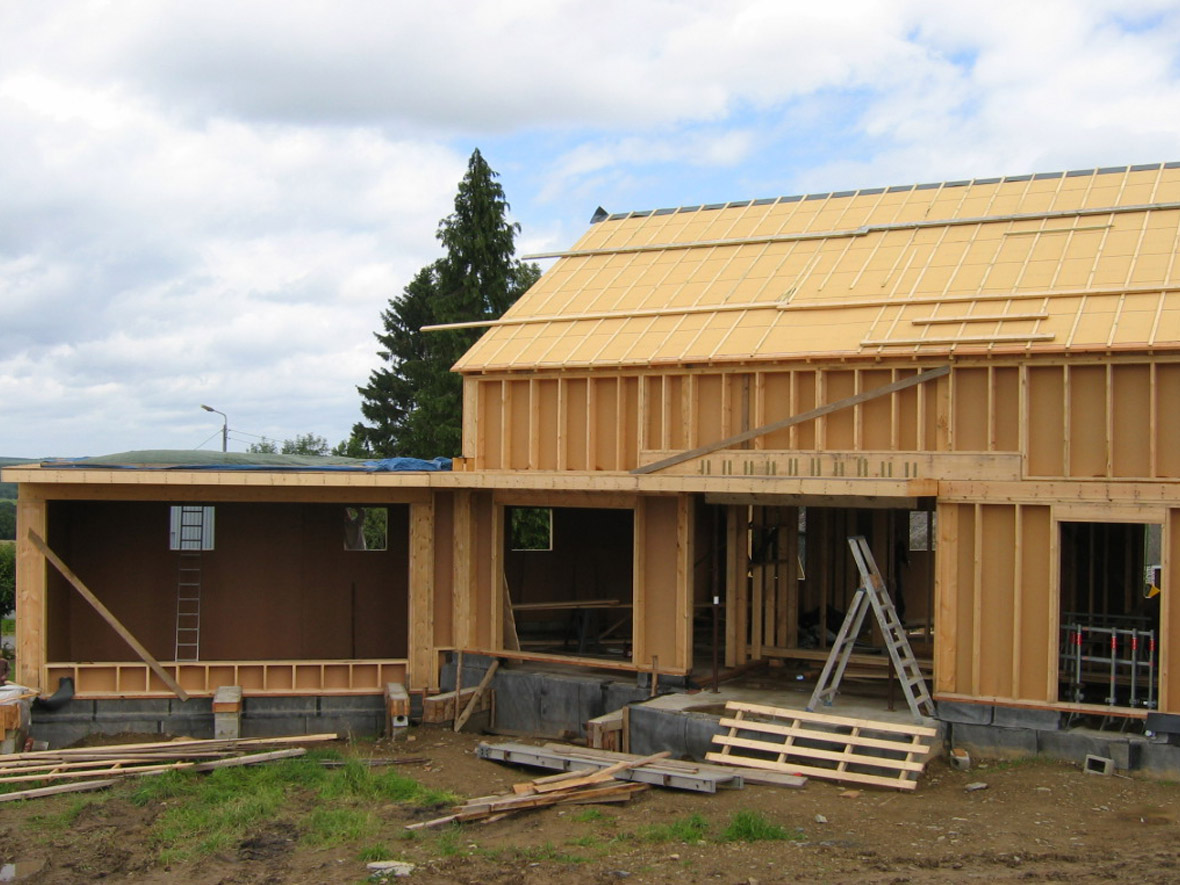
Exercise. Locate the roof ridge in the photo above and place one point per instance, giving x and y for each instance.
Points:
(601, 215)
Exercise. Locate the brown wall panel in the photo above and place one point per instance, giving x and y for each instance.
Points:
(577, 420)
(995, 605)
(876, 416)
(970, 402)
(518, 435)
(1036, 640)
(1046, 421)
(653, 417)
(660, 592)
(491, 422)
(675, 413)
(1131, 421)
(708, 417)
(545, 435)
(1167, 419)
(804, 401)
(839, 427)
(1170, 617)
(1005, 420)
(629, 418)
(775, 406)
(1087, 421)
(964, 590)
(605, 429)
(263, 595)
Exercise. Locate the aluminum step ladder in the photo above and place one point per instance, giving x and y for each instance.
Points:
(873, 594)
(190, 544)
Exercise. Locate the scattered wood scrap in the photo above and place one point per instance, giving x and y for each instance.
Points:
(92, 768)
(731, 776)
(836, 748)
(568, 788)
(697, 777)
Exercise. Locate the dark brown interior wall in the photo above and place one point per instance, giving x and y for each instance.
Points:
(591, 559)
(278, 585)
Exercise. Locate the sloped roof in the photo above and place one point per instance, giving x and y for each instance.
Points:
(1052, 262)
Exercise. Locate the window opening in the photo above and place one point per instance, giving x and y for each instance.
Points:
(366, 528)
(190, 527)
(568, 575)
(1109, 590)
(923, 530)
(530, 528)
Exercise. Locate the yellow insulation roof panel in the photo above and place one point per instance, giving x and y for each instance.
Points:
(1059, 262)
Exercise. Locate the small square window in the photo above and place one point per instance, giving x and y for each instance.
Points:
(530, 528)
(190, 527)
(366, 528)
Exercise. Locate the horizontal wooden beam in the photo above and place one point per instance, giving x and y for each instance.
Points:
(874, 502)
(127, 636)
(788, 464)
(810, 415)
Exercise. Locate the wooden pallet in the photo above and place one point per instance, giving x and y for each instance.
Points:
(839, 748)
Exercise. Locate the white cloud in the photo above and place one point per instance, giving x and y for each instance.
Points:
(213, 202)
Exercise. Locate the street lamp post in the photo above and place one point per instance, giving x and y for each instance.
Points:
(224, 426)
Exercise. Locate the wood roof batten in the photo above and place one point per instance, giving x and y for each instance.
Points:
(1078, 262)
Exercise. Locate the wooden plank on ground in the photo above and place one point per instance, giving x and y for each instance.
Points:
(837, 748)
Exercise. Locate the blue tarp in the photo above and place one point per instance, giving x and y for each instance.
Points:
(200, 460)
(393, 464)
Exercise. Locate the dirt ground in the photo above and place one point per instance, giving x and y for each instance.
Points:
(1035, 821)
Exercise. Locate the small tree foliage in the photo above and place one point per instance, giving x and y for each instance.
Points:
(413, 403)
(303, 444)
(7, 578)
(7, 520)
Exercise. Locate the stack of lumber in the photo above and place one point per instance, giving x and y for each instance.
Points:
(568, 788)
(92, 768)
(671, 773)
(839, 748)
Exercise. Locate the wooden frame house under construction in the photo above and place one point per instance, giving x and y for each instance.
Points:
(684, 420)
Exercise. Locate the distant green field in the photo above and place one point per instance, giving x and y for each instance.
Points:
(8, 489)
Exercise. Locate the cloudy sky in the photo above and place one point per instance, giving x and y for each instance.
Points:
(212, 202)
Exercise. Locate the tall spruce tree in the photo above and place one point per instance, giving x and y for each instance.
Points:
(413, 404)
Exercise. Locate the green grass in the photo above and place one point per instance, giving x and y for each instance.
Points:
(447, 842)
(62, 820)
(592, 815)
(204, 814)
(338, 826)
(7, 625)
(750, 826)
(377, 851)
(691, 829)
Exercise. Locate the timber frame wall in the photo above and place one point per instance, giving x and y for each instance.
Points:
(1006, 448)
(1009, 447)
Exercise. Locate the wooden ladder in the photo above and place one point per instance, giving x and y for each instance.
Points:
(191, 541)
(873, 594)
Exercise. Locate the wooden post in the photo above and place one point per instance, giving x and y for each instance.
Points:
(463, 581)
(421, 656)
(31, 589)
(106, 615)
